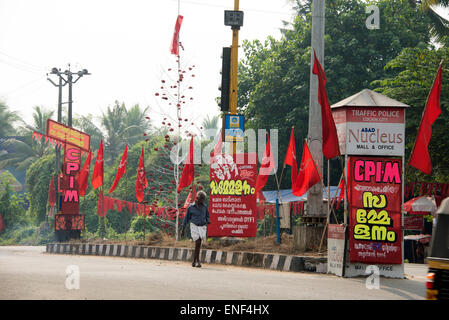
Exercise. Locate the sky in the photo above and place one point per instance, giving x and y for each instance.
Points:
(125, 46)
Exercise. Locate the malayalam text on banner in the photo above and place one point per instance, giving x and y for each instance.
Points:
(375, 210)
(232, 201)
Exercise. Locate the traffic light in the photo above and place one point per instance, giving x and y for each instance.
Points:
(225, 79)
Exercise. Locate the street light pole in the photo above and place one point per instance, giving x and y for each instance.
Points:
(234, 71)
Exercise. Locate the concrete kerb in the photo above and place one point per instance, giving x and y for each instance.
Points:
(271, 261)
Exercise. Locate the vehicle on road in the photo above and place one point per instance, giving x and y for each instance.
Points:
(438, 277)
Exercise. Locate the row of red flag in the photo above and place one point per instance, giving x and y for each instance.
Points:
(98, 174)
(413, 189)
(106, 203)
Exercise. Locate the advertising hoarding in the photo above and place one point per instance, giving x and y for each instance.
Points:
(232, 200)
(375, 234)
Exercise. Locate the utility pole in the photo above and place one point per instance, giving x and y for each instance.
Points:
(57, 151)
(315, 139)
(65, 77)
(235, 20)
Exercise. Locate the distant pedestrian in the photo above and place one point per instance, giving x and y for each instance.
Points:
(198, 216)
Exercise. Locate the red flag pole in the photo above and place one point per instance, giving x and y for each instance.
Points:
(422, 117)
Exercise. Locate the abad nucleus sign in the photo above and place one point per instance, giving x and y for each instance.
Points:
(371, 131)
(377, 129)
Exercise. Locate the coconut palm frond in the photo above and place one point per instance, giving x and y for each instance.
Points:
(439, 26)
(426, 4)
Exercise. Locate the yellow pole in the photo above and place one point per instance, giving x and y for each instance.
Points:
(233, 73)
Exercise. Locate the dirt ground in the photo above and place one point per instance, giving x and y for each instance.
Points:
(259, 244)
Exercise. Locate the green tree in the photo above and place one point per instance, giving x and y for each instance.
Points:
(25, 149)
(439, 26)
(7, 120)
(415, 72)
(85, 123)
(211, 123)
(37, 181)
(274, 75)
(122, 126)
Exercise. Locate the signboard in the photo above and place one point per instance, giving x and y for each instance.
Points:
(413, 223)
(371, 131)
(375, 234)
(232, 200)
(69, 222)
(234, 128)
(69, 183)
(335, 249)
(364, 270)
(69, 135)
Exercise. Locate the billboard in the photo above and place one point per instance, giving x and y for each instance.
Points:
(69, 185)
(69, 135)
(371, 131)
(375, 234)
(232, 200)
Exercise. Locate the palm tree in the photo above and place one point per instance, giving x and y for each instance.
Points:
(24, 150)
(211, 124)
(7, 119)
(114, 122)
(135, 124)
(87, 125)
(123, 126)
(439, 27)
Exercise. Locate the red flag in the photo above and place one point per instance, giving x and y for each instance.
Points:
(174, 47)
(188, 172)
(100, 205)
(120, 170)
(341, 197)
(84, 175)
(97, 177)
(420, 158)
(308, 174)
(191, 197)
(331, 148)
(52, 193)
(266, 167)
(2, 224)
(218, 147)
(290, 158)
(141, 179)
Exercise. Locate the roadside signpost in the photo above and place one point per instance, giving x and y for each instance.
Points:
(371, 132)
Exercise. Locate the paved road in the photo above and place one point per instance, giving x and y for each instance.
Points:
(30, 273)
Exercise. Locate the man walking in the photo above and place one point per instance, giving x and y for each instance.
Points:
(198, 216)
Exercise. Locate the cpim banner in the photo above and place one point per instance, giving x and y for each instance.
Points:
(232, 200)
(375, 234)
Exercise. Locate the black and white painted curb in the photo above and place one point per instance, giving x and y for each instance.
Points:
(246, 259)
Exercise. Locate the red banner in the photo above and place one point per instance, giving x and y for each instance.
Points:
(413, 223)
(69, 222)
(375, 210)
(232, 201)
(69, 183)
